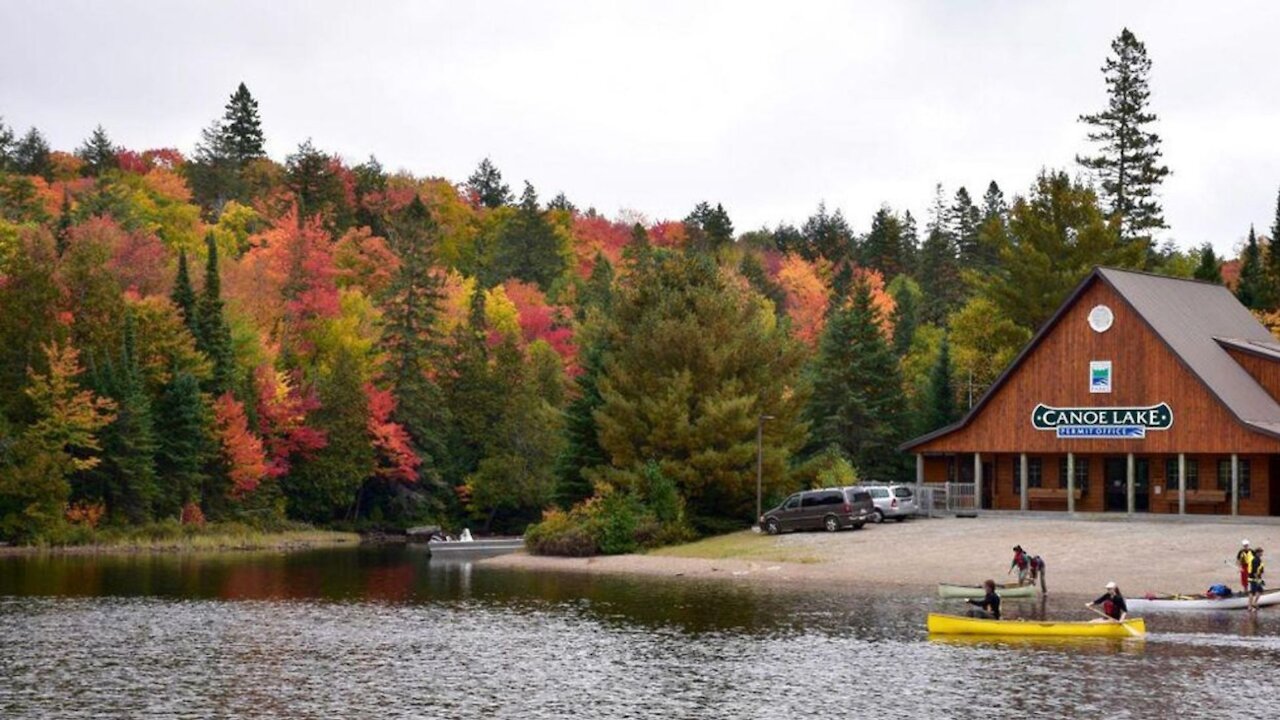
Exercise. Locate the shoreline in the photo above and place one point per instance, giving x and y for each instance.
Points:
(1080, 556)
(286, 541)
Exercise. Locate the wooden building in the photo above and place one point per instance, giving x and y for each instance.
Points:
(1141, 394)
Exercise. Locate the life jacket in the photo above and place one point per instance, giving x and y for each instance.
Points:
(1256, 567)
(1244, 558)
(1020, 560)
(1109, 608)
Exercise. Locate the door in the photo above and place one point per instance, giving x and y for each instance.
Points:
(1141, 484)
(1115, 474)
(790, 510)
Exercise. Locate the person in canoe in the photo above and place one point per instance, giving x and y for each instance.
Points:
(1244, 558)
(1022, 562)
(990, 603)
(1255, 579)
(1112, 604)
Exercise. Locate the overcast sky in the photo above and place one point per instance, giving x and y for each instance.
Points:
(768, 108)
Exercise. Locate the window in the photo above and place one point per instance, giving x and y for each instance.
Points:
(793, 502)
(832, 498)
(1224, 477)
(1035, 478)
(878, 492)
(902, 492)
(811, 500)
(1193, 474)
(1082, 474)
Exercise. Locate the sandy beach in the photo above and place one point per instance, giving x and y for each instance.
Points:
(1080, 555)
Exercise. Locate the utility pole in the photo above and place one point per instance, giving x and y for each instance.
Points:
(760, 464)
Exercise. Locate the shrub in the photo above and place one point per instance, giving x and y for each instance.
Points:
(561, 533)
(616, 520)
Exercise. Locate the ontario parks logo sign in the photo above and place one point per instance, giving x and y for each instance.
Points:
(1102, 422)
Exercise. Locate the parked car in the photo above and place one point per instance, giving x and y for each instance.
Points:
(830, 509)
(892, 501)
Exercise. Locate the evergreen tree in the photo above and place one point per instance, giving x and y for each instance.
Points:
(63, 236)
(966, 220)
(98, 153)
(993, 204)
(882, 248)
(940, 408)
(128, 474)
(709, 228)
(826, 235)
(487, 186)
(597, 292)
(787, 239)
(370, 179)
(939, 267)
(472, 393)
(1128, 162)
(1273, 255)
(184, 296)
(310, 174)
(582, 441)
(183, 450)
(1210, 267)
(31, 155)
(528, 247)
(8, 142)
(560, 202)
(1253, 289)
(905, 313)
(213, 335)
(910, 252)
(242, 138)
(856, 401)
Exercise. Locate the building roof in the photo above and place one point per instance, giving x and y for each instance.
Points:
(1197, 321)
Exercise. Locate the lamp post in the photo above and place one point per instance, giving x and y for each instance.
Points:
(760, 463)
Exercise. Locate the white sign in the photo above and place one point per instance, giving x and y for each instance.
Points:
(1100, 376)
(1100, 318)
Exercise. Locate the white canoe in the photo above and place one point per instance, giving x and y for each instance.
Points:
(483, 545)
(1198, 602)
(953, 590)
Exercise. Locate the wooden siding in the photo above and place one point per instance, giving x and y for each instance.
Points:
(1144, 372)
(1265, 371)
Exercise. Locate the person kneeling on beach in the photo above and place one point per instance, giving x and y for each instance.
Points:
(1112, 603)
(1256, 582)
(990, 604)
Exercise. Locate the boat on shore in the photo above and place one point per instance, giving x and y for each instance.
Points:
(1163, 603)
(1005, 590)
(941, 624)
(490, 546)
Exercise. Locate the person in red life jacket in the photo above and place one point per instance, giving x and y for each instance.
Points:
(1243, 559)
(1256, 583)
(1036, 565)
(1021, 562)
(990, 604)
(1112, 604)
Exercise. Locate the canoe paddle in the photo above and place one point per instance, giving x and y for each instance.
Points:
(1131, 631)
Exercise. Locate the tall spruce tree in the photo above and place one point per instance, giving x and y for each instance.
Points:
(1210, 267)
(183, 295)
(905, 313)
(910, 252)
(242, 137)
(993, 204)
(7, 143)
(1273, 256)
(528, 247)
(62, 238)
(213, 334)
(486, 185)
(966, 221)
(31, 156)
(128, 473)
(881, 249)
(857, 389)
(940, 266)
(708, 228)
(940, 404)
(183, 450)
(1128, 161)
(98, 153)
(1254, 289)
(826, 235)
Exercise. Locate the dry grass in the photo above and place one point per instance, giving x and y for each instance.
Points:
(745, 545)
(216, 539)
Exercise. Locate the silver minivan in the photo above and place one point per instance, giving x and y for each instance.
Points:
(892, 501)
(830, 509)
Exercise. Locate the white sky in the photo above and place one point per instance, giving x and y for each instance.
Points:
(765, 107)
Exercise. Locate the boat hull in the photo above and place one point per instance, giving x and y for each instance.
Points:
(955, 625)
(1011, 590)
(503, 545)
(1191, 602)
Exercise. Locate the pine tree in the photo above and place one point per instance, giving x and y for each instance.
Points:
(1273, 256)
(709, 228)
(856, 401)
(317, 188)
(905, 315)
(1210, 267)
(993, 204)
(528, 247)
(184, 296)
(910, 252)
(63, 237)
(8, 142)
(98, 153)
(213, 335)
(882, 248)
(939, 267)
(487, 186)
(826, 235)
(31, 155)
(582, 440)
(472, 394)
(128, 473)
(183, 450)
(242, 137)
(1128, 163)
(560, 202)
(940, 408)
(1254, 289)
(966, 220)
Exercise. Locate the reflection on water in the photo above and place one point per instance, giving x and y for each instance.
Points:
(392, 633)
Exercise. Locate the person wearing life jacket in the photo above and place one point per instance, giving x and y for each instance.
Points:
(1256, 583)
(1035, 564)
(1243, 559)
(1112, 604)
(1021, 562)
(990, 603)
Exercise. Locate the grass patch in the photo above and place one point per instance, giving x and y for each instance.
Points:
(174, 537)
(744, 545)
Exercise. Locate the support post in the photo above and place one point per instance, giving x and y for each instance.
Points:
(920, 483)
(1182, 483)
(1129, 484)
(1235, 484)
(1071, 483)
(1022, 483)
(977, 481)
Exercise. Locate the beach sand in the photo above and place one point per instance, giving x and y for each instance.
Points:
(1080, 555)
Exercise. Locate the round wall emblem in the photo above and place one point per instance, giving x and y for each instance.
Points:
(1100, 318)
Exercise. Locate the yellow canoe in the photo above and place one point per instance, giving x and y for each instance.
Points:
(955, 625)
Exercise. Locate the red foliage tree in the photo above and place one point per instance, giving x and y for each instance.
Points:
(282, 417)
(595, 234)
(241, 449)
(541, 321)
(396, 459)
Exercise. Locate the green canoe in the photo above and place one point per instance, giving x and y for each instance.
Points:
(948, 590)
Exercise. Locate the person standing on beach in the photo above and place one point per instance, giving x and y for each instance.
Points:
(1021, 563)
(1255, 579)
(1112, 603)
(1243, 560)
(1036, 565)
(990, 603)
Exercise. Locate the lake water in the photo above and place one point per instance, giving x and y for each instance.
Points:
(391, 633)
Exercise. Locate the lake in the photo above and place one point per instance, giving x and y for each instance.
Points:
(391, 633)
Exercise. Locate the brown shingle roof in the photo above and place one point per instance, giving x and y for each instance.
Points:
(1190, 316)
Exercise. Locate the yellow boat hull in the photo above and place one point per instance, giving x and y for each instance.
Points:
(955, 625)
